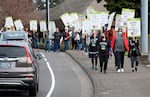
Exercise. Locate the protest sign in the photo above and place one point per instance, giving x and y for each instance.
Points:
(18, 24)
(104, 18)
(43, 26)
(134, 27)
(66, 19)
(9, 22)
(33, 25)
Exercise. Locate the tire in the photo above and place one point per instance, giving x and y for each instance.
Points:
(33, 91)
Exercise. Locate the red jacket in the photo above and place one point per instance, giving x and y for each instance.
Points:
(125, 40)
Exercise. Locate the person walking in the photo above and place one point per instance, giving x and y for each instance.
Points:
(119, 46)
(57, 37)
(35, 40)
(134, 53)
(93, 49)
(77, 40)
(47, 42)
(104, 46)
(66, 39)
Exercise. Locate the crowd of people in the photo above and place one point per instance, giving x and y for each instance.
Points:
(97, 44)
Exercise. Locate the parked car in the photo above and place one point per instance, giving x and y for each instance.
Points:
(19, 67)
(15, 35)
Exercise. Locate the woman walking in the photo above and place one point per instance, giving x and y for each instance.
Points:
(93, 49)
(134, 53)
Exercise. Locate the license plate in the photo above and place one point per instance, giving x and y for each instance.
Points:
(5, 65)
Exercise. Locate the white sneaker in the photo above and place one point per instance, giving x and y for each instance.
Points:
(122, 70)
(119, 70)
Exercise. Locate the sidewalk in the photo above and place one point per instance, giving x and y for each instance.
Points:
(113, 84)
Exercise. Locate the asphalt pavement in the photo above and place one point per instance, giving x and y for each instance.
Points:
(114, 84)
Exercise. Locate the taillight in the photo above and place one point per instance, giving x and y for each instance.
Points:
(29, 58)
(29, 76)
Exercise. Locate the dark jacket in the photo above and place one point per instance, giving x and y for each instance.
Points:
(57, 36)
(93, 46)
(104, 46)
(134, 47)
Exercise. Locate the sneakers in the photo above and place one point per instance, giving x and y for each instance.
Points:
(95, 68)
(135, 69)
(92, 67)
(120, 70)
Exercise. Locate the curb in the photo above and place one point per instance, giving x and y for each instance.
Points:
(92, 81)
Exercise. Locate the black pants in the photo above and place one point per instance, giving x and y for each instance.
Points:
(94, 60)
(134, 59)
(103, 60)
(120, 59)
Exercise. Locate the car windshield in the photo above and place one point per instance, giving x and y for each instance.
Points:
(12, 51)
(14, 36)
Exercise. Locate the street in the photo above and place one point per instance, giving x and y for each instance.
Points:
(69, 79)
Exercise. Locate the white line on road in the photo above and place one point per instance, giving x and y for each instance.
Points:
(52, 76)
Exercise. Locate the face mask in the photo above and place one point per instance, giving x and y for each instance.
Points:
(120, 33)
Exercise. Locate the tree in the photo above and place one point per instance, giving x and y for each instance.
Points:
(18, 9)
(117, 5)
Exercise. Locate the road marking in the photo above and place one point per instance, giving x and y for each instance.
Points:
(52, 76)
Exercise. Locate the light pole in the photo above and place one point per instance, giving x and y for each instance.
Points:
(144, 16)
(47, 14)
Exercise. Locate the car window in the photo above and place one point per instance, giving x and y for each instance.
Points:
(14, 36)
(12, 51)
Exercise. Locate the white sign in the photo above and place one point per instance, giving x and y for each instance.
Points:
(86, 27)
(88, 11)
(95, 25)
(118, 22)
(73, 18)
(9, 22)
(110, 21)
(134, 27)
(43, 26)
(104, 18)
(33, 25)
(18, 24)
(126, 14)
(66, 19)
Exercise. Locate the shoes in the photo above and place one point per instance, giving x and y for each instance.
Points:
(135, 69)
(95, 68)
(105, 71)
(132, 69)
(92, 67)
(119, 70)
(101, 70)
(122, 70)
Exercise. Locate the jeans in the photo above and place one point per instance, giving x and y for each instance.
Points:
(66, 45)
(56, 46)
(47, 45)
(35, 43)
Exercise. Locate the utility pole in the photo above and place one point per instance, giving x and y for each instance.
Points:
(47, 14)
(144, 17)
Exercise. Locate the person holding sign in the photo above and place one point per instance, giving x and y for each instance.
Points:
(120, 45)
(93, 49)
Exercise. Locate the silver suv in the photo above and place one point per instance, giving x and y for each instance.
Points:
(19, 68)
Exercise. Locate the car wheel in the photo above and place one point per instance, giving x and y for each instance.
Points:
(33, 91)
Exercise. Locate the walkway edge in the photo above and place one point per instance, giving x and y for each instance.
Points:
(91, 79)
